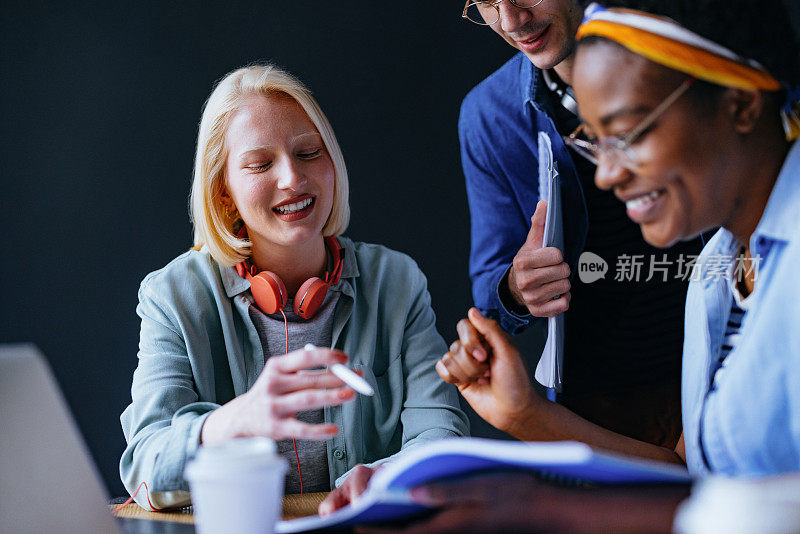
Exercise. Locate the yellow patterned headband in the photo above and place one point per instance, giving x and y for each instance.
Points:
(667, 43)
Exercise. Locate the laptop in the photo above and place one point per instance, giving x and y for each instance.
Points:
(48, 481)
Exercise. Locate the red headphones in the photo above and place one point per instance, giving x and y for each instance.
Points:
(270, 294)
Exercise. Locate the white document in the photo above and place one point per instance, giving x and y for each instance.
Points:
(548, 371)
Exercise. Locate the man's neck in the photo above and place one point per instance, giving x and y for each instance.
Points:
(564, 70)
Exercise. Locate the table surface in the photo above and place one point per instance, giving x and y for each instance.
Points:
(294, 506)
(182, 521)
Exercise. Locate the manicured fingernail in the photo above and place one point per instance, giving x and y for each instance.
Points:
(346, 393)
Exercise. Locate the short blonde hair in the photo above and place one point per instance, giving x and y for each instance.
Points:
(212, 227)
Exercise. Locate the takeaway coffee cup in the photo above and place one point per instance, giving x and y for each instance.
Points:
(237, 486)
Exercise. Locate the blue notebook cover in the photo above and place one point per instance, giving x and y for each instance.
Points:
(387, 499)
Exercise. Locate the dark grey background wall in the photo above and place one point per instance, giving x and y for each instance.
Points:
(100, 106)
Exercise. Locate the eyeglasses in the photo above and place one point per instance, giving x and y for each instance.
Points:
(487, 13)
(618, 150)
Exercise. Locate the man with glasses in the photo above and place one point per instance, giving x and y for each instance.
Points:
(623, 332)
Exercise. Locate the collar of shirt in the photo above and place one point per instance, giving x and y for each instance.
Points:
(532, 86)
(235, 284)
(778, 222)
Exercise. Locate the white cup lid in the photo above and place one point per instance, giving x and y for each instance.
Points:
(235, 454)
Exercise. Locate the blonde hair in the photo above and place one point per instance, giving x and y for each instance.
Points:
(212, 227)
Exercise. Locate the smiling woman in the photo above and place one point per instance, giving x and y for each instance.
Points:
(224, 326)
(719, 151)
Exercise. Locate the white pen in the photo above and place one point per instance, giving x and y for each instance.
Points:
(348, 376)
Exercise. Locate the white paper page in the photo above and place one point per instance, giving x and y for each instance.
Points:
(549, 370)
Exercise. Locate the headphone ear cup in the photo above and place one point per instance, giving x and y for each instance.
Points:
(268, 291)
(310, 297)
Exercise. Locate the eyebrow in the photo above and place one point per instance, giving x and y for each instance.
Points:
(264, 147)
(611, 117)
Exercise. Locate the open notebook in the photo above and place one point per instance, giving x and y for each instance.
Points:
(386, 497)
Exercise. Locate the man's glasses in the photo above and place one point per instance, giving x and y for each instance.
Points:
(488, 12)
(618, 150)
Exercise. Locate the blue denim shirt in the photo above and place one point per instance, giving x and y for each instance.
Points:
(498, 127)
(750, 420)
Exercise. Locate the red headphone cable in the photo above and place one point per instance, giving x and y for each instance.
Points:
(147, 494)
(294, 442)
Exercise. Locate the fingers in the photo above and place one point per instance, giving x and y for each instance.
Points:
(288, 383)
(536, 233)
(551, 308)
(444, 374)
(306, 359)
(537, 284)
(489, 329)
(354, 485)
(528, 261)
(461, 365)
(486, 327)
(547, 292)
(292, 428)
(471, 341)
(456, 372)
(337, 498)
(312, 399)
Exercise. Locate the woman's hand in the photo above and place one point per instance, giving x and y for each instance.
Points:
(517, 502)
(505, 396)
(353, 486)
(468, 358)
(288, 384)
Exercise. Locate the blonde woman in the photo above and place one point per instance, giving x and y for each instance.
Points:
(221, 350)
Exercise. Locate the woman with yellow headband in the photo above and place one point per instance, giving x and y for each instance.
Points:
(690, 116)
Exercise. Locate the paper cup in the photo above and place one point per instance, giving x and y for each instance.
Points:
(237, 487)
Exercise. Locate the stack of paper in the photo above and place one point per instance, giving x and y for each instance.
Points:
(548, 371)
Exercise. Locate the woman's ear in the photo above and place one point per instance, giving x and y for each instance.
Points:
(227, 203)
(746, 108)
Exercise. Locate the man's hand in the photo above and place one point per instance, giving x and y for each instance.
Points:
(505, 396)
(538, 275)
(353, 486)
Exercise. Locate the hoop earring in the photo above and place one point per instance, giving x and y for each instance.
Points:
(230, 212)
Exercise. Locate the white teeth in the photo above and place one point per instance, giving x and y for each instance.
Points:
(292, 208)
(643, 201)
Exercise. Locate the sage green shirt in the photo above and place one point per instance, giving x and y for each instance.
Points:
(199, 349)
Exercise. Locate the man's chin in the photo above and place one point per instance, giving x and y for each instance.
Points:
(544, 60)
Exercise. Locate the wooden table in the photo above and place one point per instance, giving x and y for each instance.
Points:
(294, 506)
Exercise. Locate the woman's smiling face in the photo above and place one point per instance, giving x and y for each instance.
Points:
(278, 173)
(684, 181)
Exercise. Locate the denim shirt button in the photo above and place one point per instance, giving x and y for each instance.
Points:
(338, 454)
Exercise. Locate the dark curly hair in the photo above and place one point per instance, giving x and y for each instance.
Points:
(755, 29)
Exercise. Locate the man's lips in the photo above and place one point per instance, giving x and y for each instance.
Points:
(533, 41)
